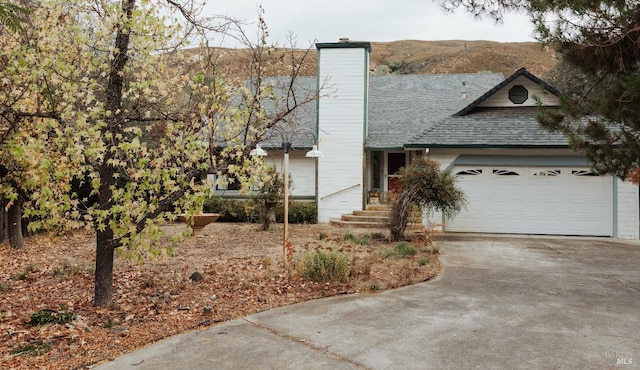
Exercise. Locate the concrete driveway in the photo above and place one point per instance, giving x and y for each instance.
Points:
(500, 303)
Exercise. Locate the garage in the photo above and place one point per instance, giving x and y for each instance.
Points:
(534, 200)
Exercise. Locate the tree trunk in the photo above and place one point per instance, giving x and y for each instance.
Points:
(14, 216)
(103, 292)
(105, 245)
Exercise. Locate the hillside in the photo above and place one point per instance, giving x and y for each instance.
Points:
(426, 57)
(418, 57)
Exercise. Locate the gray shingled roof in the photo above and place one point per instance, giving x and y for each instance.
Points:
(403, 106)
(436, 110)
(504, 127)
(491, 127)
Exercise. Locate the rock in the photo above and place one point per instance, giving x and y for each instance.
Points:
(214, 297)
(196, 276)
(207, 309)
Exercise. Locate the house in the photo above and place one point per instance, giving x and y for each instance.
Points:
(517, 177)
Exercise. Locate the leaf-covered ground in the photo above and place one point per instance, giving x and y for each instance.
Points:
(241, 269)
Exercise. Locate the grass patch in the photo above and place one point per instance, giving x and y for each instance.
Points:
(359, 240)
(44, 317)
(5, 287)
(325, 266)
(67, 270)
(402, 249)
(25, 274)
(108, 324)
(32, 349)
(424, 261)
(378, 236)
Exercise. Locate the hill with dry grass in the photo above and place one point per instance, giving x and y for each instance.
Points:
(430, 57)
(418, 57)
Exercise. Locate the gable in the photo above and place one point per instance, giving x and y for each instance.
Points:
(508, 96)
(499, 95)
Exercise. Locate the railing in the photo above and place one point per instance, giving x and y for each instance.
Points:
(340, 191)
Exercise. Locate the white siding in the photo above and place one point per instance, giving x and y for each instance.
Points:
(444, 159)
(301, 169)
(628, 212)
(501, 98)
(341, 120)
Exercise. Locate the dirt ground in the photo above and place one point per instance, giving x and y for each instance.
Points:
(230, 271)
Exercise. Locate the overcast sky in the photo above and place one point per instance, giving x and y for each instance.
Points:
(369, 20)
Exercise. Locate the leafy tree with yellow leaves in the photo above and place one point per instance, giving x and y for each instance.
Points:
(117, 100)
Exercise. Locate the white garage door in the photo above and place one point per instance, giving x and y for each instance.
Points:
(531, 200)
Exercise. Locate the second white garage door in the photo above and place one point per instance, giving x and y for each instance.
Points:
(532, 200)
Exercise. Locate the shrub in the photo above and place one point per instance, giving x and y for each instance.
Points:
(270, 196)
(423, 186)
(299, 213)
(232, 210)
(325, 266)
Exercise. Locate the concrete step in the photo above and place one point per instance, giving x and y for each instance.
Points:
(371, 213)
(378, 207)
(416, 227)
(366, 218)
(357, 224)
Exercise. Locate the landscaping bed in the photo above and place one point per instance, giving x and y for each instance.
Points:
(46, 291)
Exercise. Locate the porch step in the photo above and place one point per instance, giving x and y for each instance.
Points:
(373, 217)
(356, 224)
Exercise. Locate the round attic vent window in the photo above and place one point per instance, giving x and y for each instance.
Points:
(518, 94)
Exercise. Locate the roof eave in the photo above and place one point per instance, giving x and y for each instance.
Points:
(484, 146)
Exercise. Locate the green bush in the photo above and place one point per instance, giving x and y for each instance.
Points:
(299, 213)
(234, 210)
(325, 266)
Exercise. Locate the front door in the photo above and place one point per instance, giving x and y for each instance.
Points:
(395, 161)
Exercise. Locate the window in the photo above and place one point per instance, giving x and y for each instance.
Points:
(518, 94)
(583, 173)
(469, 172)
(505, 173)
(232, 183)
(546, 173)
